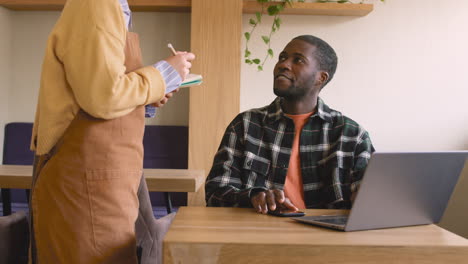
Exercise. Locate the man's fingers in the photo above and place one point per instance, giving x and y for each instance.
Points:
(289, 206)
(279, 195)
(258, 201)
(270, 199)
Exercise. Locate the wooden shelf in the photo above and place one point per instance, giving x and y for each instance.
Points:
(325, 9)
(136, 5)
(321, 9)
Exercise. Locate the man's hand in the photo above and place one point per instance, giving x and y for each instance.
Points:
(165, 99)
(181, 63)
(271, 200)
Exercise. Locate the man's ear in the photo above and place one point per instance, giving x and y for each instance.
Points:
(322, 78)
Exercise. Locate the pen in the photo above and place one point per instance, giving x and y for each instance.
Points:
(169, 45)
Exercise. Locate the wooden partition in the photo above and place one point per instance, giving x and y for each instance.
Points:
(215, 39)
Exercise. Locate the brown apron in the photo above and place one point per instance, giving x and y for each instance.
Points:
(84, 201)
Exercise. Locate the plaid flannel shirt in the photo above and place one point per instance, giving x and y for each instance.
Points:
(254, 155)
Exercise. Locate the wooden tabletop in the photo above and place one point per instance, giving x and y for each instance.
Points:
(158, 180)
(239, 235)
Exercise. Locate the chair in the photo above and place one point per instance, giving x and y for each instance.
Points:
(16, 152)
(14, 238)
(166, 147)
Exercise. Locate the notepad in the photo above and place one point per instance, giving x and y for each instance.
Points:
(192, 80)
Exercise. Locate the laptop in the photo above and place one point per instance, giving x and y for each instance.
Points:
(399, 189)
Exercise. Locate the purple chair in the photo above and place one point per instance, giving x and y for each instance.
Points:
(166, 147)
(16, 152)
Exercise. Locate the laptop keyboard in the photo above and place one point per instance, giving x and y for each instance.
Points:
(336, 220)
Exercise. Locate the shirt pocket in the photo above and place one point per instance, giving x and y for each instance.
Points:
(256, 164)
(113, 201)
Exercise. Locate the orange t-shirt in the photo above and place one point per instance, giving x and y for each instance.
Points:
(293, 188)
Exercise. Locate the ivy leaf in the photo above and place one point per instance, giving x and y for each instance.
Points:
(270, 52)
(248, 61)
(247, 35)
(256, 61)
(252, 22)
(266, 39)
(342, 1)
(273, 10)
(247, 53)
(277, 22)
(259, 16)
(260, 67)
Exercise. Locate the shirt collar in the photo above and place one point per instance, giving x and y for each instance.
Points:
(275, 113)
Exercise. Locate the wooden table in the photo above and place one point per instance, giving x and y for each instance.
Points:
(238, 235)
(158, 180)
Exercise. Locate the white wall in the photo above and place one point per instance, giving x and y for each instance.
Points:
(401, 71)
(29, 36)
(5, 70)
(402, 74)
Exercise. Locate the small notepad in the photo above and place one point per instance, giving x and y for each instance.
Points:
(192, 80)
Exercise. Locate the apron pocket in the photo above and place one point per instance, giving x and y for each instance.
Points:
(114, 205)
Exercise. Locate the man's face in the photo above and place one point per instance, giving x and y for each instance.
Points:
(296, 71)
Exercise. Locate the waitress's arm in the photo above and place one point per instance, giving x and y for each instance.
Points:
(94, 67)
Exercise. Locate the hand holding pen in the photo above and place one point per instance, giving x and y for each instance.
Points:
(180, 61)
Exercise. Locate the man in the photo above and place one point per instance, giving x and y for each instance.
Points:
(297, 152)
(88, 135)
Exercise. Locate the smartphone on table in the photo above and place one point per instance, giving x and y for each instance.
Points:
(286, 213)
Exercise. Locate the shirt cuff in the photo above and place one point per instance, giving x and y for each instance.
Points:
(150, 111)
(169, 74)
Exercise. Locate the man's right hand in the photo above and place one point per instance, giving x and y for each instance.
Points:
(181, 63)
(271, 200)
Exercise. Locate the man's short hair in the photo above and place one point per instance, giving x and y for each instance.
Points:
(325, 55)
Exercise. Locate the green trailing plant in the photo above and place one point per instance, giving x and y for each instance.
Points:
(274, 11)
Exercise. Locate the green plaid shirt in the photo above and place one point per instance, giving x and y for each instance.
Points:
(254, 154)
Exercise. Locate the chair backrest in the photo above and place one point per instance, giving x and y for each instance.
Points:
(16, 144)
(166, 147)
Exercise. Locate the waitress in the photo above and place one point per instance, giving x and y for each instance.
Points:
(88, 134)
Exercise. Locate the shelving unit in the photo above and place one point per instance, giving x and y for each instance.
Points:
(327, 9)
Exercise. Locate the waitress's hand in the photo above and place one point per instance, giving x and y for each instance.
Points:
(165, 99)
(181, 63)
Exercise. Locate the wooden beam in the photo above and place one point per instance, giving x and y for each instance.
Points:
(322, 9)
(136, 5)
(215, 39)
(328, 9)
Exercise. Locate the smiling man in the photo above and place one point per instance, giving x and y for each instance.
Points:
(297, 152)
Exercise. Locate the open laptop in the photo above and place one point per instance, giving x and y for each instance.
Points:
(400, 189)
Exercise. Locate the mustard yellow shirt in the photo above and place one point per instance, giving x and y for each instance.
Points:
(84, 68)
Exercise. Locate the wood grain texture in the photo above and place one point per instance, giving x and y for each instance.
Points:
(158, 180)
(239, 235)
(322, 9)
(136, 5)
(330, 9)
(216, 41)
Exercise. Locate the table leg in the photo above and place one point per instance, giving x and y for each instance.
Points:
(167, 195)
(6, 200)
